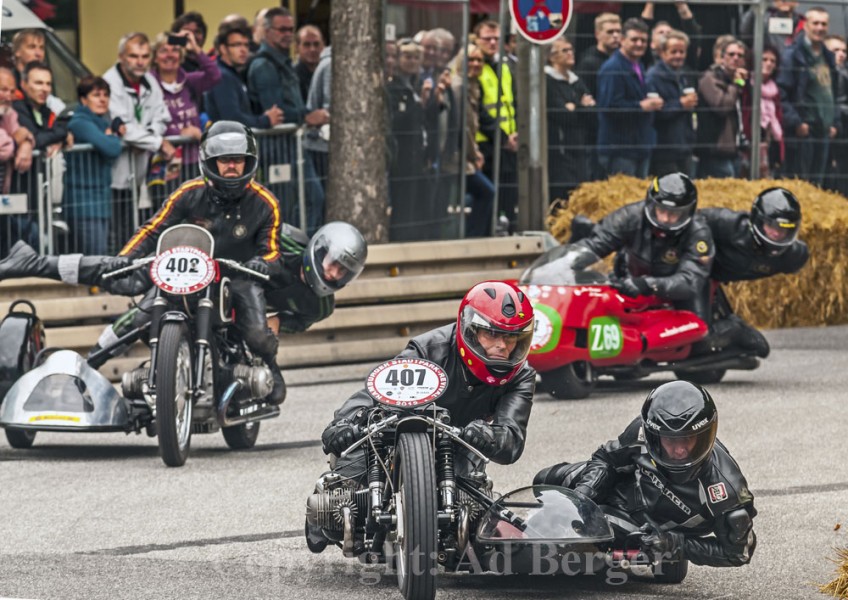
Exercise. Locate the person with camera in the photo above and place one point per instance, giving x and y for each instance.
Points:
(669, 482)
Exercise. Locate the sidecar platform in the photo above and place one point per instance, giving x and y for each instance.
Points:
(64, 393)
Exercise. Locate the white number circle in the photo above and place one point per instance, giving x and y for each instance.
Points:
(182, 270)
(407, 382)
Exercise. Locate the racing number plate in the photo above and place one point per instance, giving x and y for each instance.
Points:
(182, 270)
(605, 339)
(407, 382)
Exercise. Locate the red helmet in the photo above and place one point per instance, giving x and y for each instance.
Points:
(494, 330)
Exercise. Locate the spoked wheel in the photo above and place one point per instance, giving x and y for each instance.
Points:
(20, 438)
(573, 381)
(242, 437)
(173, 394)
(702, 377)
(415, 505)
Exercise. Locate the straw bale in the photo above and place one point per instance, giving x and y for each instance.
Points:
(838, 588)
(817, 295)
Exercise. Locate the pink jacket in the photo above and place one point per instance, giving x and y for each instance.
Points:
(8, 126)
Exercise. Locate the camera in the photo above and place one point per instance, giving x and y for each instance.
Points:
(177, 40)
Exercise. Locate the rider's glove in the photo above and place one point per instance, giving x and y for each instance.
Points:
(259, 265)
(481, 435)
(661, 543)
(338, 437)
(633, 287)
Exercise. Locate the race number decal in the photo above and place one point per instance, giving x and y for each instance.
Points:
(547, 329)
(407, 382)
(605, 339)
(182, 270)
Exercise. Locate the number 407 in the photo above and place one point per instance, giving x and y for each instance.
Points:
(407, 376)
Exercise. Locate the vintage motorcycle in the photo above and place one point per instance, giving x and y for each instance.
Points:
(585, 329)
(200, 377)
(409, 507)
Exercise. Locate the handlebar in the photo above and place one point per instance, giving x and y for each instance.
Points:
(237, 266)
(137, 264)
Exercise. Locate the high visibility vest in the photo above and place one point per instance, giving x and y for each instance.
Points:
(489, 101)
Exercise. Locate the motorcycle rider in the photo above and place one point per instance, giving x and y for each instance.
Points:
(668, 477)
(243, 217)
(490, 385)
(665, 248)
(751, 246)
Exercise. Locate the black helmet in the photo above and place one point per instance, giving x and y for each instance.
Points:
(677, 197)
(227, 138)
(680, 422)
(775, 220)
(338, 246)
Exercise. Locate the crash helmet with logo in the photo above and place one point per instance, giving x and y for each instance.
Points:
(225, 139)
(679, 420)
(497, 315)
(775, 220)
(670, 203)
(334, 257)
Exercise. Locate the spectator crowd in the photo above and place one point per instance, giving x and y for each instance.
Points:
(649, 97)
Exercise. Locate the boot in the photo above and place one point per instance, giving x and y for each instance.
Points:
(24, 261)
(278, 393)
(74, 269)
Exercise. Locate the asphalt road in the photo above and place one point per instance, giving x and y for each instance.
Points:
(95, 516)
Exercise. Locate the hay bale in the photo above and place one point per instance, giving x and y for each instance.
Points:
(838, 588)
(817, 295)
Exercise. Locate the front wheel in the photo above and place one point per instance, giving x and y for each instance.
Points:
(173, 394)
(20, 438)
(242, 437)
(573, 381)
(702, 377)
(415, 505)
(671, 572)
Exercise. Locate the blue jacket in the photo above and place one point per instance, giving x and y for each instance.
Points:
(228, 101)
(624, 128)
(793, 79)
(271, 79)
(673, 124)
(88, 178)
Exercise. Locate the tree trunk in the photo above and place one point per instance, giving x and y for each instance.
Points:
(358, 184)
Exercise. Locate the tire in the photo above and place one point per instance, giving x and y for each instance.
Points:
(574, 381)
(242, 437)
(415, 501)
(702, 377)
(20, 438)
(174, 394)
(672, 572)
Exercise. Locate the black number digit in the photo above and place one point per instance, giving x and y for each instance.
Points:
(392, 377)
(407, 377)
(193, 262)
(421, 374)
(171, 266)
(182, 265)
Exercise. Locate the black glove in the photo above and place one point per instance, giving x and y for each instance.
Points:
(338, 437)
(657, 543)
(481, 435)
(259, 265)
(633, 287)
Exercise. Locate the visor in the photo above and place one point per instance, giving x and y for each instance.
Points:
(668, 216)
(778, 232)
(480, 334)
(682, 450)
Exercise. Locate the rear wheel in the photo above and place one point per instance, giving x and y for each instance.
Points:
(573, 381)
(20, 438)
(173, 394)
(702, 377)
(242, 437)
(671, 572)
(415, 504)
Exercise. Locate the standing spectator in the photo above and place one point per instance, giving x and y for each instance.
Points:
(182, 93)
(838, 176)
(807, 84)
(50, 134)
(88, 179)
(27, 47)
(719, 91)
(192, 21)
(391, 60)
(608, 36)
(673, 124)
(309, 43)
(659, 29)
(317, 139)
(228, 101)
(783, 24)
(477, 185)
(501, 123)
(272, 81)
(21, 139)
(136, 99)
(771, 151)
(625, 132)
(570, 117)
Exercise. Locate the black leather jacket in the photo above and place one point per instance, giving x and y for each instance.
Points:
(507, 406)
(242, 230)
(676, 266)
(738, 257)
(622, 474)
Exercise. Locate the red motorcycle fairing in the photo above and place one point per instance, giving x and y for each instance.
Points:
(596, 324)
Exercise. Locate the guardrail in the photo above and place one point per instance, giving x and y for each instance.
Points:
(404, 290)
